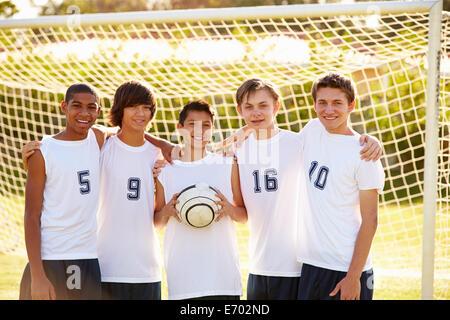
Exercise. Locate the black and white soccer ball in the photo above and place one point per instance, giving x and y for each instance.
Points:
(196, 206)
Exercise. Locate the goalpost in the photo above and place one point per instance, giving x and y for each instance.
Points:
(398, 54)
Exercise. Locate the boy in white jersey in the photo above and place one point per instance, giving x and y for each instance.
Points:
(61, 201)
(128, 247)
(270, 173)
(200, 263)
(338, 216)
(268, 168)
(60, 225)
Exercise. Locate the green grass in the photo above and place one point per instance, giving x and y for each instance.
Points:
(11, 269)
(397, 244)
(386, 288)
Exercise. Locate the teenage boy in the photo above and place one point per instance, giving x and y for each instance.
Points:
(339, 206)
(128, 247)
(200, 263)
(270, 172)
(61, 201)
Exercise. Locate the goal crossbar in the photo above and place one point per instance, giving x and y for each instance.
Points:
(236, 13)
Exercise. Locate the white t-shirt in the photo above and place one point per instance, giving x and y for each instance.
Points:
(330, 214)
(69, 208)
(128, 247)
(269, 171)
(200, 262)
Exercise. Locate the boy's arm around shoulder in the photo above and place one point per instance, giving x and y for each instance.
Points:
(103, 133)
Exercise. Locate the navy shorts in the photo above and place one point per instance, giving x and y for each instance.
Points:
(271, 288)
(71, 279)
(131, 291)
(317, 283)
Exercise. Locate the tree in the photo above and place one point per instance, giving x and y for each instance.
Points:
(192, 4)
(55, 7)
(7, 9)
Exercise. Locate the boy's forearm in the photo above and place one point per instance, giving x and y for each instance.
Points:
(159, 220)
(362, 248)
(33, 246)
(157, 142)
(239, 214)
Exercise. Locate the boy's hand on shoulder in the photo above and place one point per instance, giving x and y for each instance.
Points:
(226, 147)
(373, 148)
(226, 151)
(159, 164)
(171, 152)
(27, 150)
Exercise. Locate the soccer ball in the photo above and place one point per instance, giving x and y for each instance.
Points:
(196, 206)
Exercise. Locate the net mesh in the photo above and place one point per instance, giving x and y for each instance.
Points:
(384, 54)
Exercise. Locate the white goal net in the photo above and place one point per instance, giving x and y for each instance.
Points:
(207, 54)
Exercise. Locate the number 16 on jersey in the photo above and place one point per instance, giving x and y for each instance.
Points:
(270, 180)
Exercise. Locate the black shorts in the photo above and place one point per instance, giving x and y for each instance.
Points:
(131, 291)
(271, 288)
(71, 279)
(317, 283)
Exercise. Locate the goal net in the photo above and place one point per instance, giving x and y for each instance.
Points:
(207, 54)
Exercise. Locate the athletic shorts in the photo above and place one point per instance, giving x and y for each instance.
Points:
(131, 291)
(317, 283)
(271, 288)
(71, 279)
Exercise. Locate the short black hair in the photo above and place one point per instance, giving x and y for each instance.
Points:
(79, 88)
(130, 94)
(196, 105)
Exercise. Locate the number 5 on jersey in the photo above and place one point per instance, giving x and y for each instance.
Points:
(84, 181)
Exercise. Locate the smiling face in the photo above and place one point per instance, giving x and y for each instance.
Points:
(258, 108)
(333, 109)
(136, 118)
(137, 100)
(196, 129)
(81, 112)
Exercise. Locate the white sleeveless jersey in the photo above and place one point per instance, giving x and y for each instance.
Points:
(200, 262)
(128, 247)
(330, 213)
(69, 208)
(269, 172)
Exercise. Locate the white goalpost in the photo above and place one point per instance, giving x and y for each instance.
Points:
(431, 151)
(397, 53)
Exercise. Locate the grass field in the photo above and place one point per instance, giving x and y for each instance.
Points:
(386, 288)
(397, 244)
